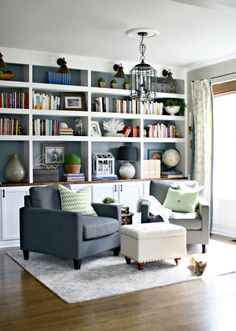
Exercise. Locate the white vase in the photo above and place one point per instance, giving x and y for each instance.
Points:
(14, 170)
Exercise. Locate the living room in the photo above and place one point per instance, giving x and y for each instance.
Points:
(94, 41)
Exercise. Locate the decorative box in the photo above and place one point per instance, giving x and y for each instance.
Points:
(46, 175)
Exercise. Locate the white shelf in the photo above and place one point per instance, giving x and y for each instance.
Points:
(60, 138)
(59, 87)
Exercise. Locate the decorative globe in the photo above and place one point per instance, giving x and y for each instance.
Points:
(171, 157)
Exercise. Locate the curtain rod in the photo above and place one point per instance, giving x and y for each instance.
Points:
(231, 73)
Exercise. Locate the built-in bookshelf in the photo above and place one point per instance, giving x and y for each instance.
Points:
(32, 110)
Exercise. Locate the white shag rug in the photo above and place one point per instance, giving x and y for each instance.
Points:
(106, 275)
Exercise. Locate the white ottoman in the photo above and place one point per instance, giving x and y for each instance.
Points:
(152, 242)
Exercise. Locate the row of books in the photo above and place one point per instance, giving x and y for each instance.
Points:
(131, 131)
(115, 105)
(75, 177)
(45, 127)
(66, 131)
(46, 101)
(152, 108)
(161, 130)
(58, 78)
(16, 99)
(10, 126)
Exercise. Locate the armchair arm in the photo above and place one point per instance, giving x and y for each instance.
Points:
(108, 210)
(51, 231)
(205, 215)
(146, 216)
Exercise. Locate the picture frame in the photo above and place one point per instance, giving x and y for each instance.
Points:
(54, 154)
(95, 129)
(74, 101)
(155, 154)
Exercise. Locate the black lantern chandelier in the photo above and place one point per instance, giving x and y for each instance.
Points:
(143, 75)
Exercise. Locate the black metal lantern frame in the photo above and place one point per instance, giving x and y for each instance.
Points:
(143, 76)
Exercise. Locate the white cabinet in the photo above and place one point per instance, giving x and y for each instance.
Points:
(125, 193)
(11, 200)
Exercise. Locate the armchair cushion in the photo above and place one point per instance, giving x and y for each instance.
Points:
(79, 201)
(47, 197)
(99, 227)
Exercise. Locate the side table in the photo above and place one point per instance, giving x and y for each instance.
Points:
(126, 218)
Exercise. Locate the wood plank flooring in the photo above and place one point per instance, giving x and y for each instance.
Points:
(27, 305)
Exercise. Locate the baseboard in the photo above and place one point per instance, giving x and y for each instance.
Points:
(9, 243)
(224, 230)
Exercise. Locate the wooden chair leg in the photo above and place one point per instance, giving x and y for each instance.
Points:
(26, 255)
(203, 248)
(77, 264)
(140, 266)
(128, 260)
(177, 260)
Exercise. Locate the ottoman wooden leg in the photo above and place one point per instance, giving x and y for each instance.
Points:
(128, 260)
(140, 266)
(177, 260)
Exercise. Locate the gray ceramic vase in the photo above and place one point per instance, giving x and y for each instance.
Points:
(14, 171)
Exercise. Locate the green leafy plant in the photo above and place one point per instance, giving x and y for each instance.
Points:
(175, 102)
(108, 200)
(72, 158)
(101, 80)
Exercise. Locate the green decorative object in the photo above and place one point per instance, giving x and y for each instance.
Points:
(72, 163)
(14, 171)
(181, 201)
(113, 83)
(108, 200)
(126, 84)
(101, 82)
(174, 106)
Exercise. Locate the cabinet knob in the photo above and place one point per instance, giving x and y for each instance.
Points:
(115, 188)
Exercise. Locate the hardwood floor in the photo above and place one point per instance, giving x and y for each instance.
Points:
(27, 305)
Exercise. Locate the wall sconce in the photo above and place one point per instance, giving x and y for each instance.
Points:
(63, 67)
(168, 74)
(120, 73)
(2, 63)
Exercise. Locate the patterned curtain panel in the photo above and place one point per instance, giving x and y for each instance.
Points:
(202, 134)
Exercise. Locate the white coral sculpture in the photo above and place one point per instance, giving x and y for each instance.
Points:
(113, 126)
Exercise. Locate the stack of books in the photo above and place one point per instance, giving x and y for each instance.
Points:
(172, 174)
(104, 177)
(66, 131)
(77, 177)
(151, 169)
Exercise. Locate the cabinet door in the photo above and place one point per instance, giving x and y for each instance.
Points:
(129, 193)
(101, 191)
(12, 199)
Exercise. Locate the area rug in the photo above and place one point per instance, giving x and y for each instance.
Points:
(105, 275)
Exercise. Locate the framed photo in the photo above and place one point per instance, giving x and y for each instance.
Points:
(54, 153)
(74, 101)
(95, 129)
(154, 154)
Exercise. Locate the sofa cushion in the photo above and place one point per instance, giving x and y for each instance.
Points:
(46, 197)
(79, 202)
(181, 201)
(99, 227)
(187, 223)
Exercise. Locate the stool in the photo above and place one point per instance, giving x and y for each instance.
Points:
(149, 242)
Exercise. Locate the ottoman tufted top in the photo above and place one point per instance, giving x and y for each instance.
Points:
(152, 230)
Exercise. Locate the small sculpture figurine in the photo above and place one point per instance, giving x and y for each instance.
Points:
(112, 127)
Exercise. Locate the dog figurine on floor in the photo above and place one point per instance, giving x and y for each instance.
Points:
(198, 263)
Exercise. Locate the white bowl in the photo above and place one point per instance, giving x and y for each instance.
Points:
(172, 110)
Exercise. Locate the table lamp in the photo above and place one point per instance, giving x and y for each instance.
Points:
(127, 154)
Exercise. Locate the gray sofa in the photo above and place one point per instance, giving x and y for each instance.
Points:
(198, 226)
(45, 228)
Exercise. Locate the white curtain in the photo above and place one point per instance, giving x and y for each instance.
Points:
(202, 134)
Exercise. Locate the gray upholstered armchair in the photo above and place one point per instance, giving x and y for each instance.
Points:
(197, 226)
(45, 228)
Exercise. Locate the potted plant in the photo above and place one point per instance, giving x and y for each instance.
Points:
(108, 200)
(101, 82)
(72, 163)
(126, 84)
(113, 83)
(174, 106)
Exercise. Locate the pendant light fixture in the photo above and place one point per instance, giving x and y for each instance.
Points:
(143, 75)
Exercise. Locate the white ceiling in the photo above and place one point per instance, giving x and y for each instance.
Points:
(191, 32)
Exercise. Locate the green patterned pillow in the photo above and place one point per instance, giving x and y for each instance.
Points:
(181, 201)
(79, 202)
